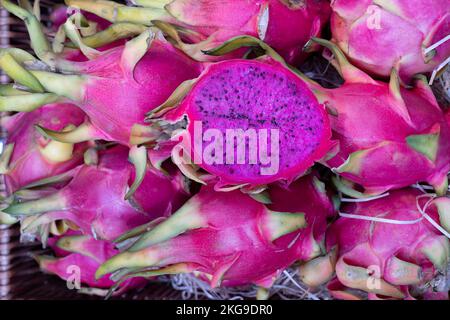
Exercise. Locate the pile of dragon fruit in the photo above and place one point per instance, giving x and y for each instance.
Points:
(162, 139)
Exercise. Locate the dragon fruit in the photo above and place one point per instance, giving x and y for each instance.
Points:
(28, 156)
(400, 255)
(80, 255)
(286, 25)
(245, 122)
(229, 239)
(107, 85)
(389, 136)
(380, 35)
(100, 209)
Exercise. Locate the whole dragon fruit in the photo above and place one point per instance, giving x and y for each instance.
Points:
(389, 136)
(107, 85)
(245, 122)
(93, 199)
(228, 238)
(28, 156)
(380, 35)
(286, 25)
(78, 257)
(392, 250)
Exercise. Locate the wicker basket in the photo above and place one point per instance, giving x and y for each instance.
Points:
(20, 277)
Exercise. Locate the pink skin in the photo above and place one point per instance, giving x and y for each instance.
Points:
(369, 244)
(27, 164)
(288, 28)
(162, 67)
(87, 254)
(234, 245)
(291, 29)
(224, 76)
(100, 209)
(368, 120)
(305, 195)
(425, 22)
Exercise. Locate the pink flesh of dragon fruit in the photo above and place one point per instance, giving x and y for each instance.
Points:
(285, 25)
(230, 239)
(380, 35)
(250, 96)
(32, 157)
(83, 252)
(389, 137)
(100, 209)
(402, 258)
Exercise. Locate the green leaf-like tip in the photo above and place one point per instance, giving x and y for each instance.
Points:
(242, 42)
(17, 72)
(138, 157)
(262, 197)
(188, 217)
(79, 134)
(426, 144)
(281, 223)
(50, 203)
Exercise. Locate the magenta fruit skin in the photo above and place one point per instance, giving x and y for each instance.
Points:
(110, 92)
(234, 241)
(374, 146)
(99, 209)
(27, 164)
(287, 29)
(370, 34)
(405, 257)
(78, 255)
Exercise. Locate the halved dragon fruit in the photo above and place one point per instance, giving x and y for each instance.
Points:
(389, 249)
(389, 136)
(228, 238)
(28, 156)
(286, 25)
(93, 199)
(245, 122)
(77, 258)
(380, 35)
